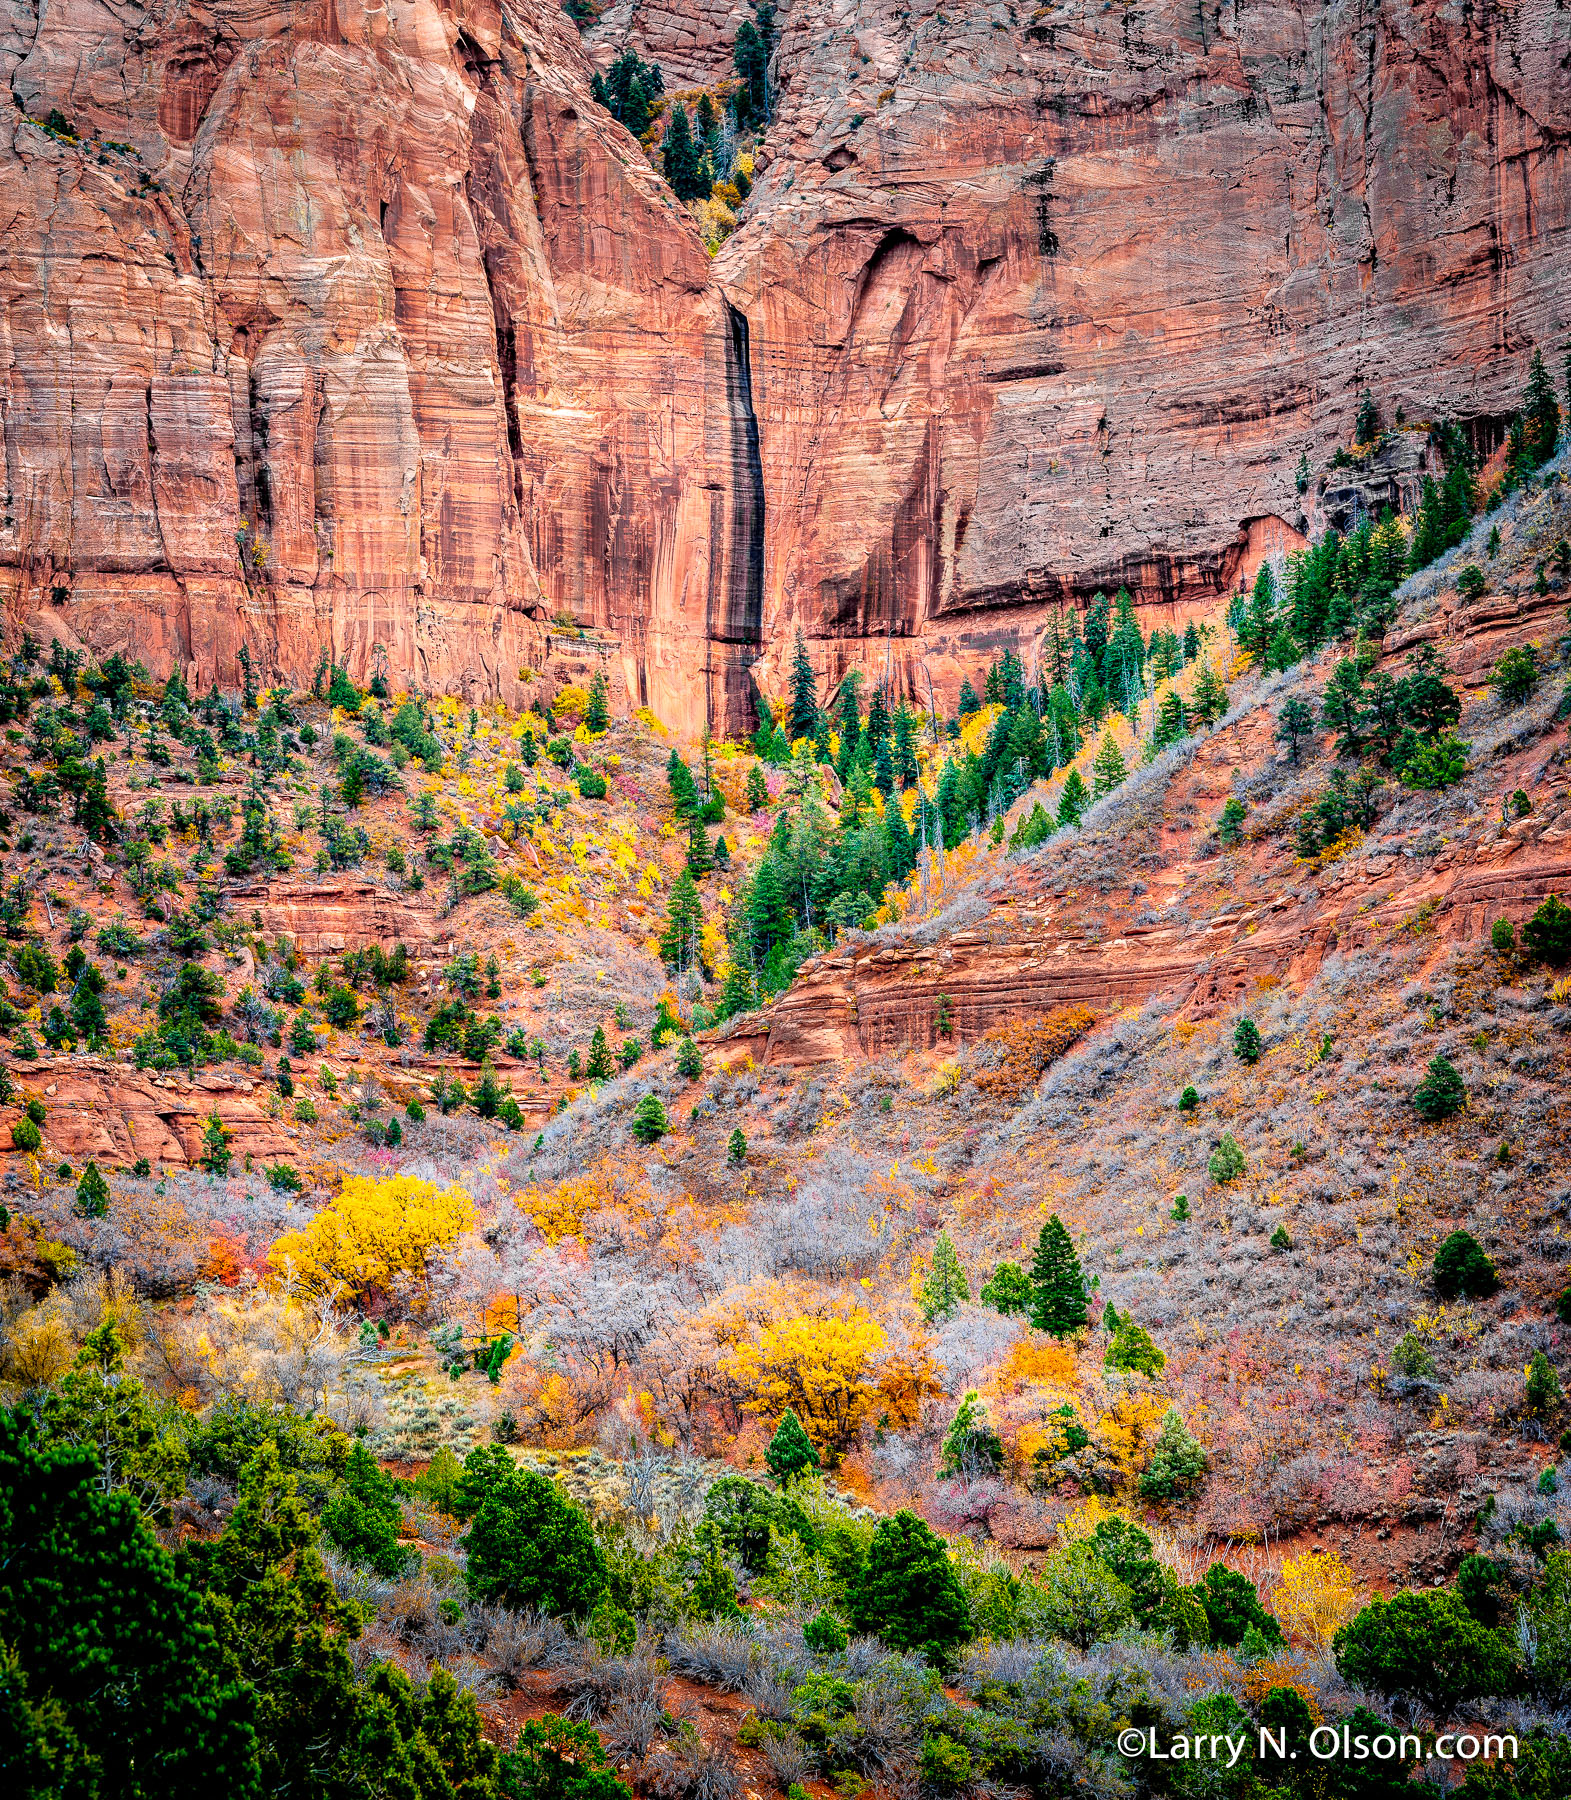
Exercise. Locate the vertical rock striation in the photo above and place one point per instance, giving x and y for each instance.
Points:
(1049, 300)
(329, 325)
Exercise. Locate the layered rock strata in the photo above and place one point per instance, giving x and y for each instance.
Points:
(326, 326)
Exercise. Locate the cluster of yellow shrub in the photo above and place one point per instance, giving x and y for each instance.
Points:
(831, 1372)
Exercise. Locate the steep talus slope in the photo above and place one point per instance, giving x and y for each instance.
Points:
(1149, 906)
(1048, 300)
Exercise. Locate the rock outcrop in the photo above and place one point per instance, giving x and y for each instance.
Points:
(326, 917)
(1046, 301)
(1167, 913)
(113, 1115)
(330, 326)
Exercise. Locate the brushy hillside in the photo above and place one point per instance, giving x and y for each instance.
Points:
(427, 1159)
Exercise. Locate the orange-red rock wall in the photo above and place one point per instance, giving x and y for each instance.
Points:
(335, 326)
(1046, 300)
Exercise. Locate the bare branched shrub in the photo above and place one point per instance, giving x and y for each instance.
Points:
(686, 1768)
(788, 1759)
(517, 1642)
(594, 1683)
(412, 1613)
(632, 1723)
(719, 1656)
(474, 1677)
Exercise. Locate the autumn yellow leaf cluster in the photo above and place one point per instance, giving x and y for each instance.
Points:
(820, 1367)
(1317, 1595)
(373, 1231)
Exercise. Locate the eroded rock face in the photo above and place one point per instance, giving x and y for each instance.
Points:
(113, 1115)
(336, 325)
(1047, 300)
(1167, 915)
(338, 913)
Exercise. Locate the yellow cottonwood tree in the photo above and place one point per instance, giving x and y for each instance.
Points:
(1318, 1593)
(819, 1367)
(372, 1232)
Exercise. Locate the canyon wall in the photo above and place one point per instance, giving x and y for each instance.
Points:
(337, 326)
(1045, 300)
(330, 326)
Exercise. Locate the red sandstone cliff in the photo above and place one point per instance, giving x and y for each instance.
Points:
(327, 325)
(1045, 305)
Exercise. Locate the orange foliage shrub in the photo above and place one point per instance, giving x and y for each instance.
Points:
(1039, 1358)
(1026, 1046)
(1258, 1679)
(550, 1410)
(905, 1380)
(224, 1261)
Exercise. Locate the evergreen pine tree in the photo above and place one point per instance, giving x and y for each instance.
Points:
(680, 156)
(1295, 721)
(1210, 701)
(1098, 620)
(689, 1060)
(757, 789)
(706, 121)
(736, 1147)
(1108, 770)
(597, 715)
(899, 847)
(769, 914)
(1172, 723)
(1074, 799)
(877, 721)
(700, 857)
(1177, 1461)
(215, 1146)
(598, 1067)
(1246, 1041)
(363, 1518)
(736, 993)
(968, 702)
(972, 1448)
(905, 745)
(1441, 1092)
(804, 694)
(92, 1193)
(1366, 427)
(884, 768)
(1059, 1302)
(684, 795)
(649, 1120)
(1540, 412)
(791, 1452)
(1009, 1289)
(684, 921)
(946, 1289)
(750, 57)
